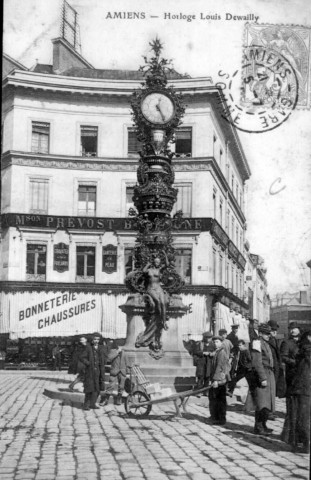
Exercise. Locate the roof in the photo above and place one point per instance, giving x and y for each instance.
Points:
(43, 68)
(107, 74)
(113, 74)
(14, 62)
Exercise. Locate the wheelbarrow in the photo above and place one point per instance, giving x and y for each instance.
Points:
(139, 403)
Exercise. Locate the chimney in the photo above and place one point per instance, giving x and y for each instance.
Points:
(303, 297)
(65, 57)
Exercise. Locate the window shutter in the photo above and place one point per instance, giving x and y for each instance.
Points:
(88, 131)
(39, 189)
(183, 201)
(134, 145)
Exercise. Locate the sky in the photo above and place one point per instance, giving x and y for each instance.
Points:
(279, 226)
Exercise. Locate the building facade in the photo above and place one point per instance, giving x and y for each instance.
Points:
(256, 287)
(69, 161)
(291, 307)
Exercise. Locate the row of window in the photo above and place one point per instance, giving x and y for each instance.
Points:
(233, 183)
(233, 280)
(40, 140)
(233, 230)
(87, 198)
(86, 260)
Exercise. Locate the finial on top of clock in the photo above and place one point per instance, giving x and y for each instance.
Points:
(156, 69)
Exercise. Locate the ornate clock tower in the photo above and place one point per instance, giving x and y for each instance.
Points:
(155, 306)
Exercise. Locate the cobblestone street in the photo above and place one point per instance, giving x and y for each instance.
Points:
(43, 439)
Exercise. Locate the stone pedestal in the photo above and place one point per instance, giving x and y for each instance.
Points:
(175, 368)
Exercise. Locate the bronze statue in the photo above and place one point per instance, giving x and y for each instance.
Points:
(157, 301)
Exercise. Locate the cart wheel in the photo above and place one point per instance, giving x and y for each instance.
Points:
(132, 404)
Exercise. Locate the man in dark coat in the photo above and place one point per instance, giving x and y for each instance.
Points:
(234, 339)
(76, 365)
(94, 378)
(202, 359)
(253, 329)
(243, 367)
(263, 393)
(299, 398)
(289, 351)
(277, 361)
(218, 380)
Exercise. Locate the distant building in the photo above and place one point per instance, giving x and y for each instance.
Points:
(289, 307)
(256, 293)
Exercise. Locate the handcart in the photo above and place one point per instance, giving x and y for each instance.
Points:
(139, 403)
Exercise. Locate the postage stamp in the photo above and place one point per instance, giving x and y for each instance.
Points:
(292, 42)
(262, 95)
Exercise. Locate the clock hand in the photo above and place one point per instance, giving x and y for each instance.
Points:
(161, 113)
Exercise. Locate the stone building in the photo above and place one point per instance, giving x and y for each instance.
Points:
(69, 160)
(256, 287)
(291, 307)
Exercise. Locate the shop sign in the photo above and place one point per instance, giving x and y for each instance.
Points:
(61, 257)
(109, 258)
(219, 233)
(21, 220)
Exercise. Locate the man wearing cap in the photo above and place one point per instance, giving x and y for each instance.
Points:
(264, 391)
(118, 370)
(243, 367)
(225, 341)
(234, 339)
(253, 329)
(289, 351)
(218, 380)
(202, 358)
(94, 379)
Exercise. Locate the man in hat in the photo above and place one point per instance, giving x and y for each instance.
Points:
(277, 362)
(299, 395)
(263, 393)
(289, 351)
(225, 341)
(234, 339)
(218, 379)
(202, 359)
(118, 370)
(94, 378)
(253, 329)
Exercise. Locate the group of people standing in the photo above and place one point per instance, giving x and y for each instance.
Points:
(272, 367)
(89, 363)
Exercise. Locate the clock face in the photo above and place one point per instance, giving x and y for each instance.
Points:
(157, 108)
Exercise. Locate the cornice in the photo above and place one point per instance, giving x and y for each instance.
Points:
(52, 82)
(68, 162)
(110, 288)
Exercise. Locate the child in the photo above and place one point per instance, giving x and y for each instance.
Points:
(242, 368)
(219, 377)
(202, 357)
(117, 357)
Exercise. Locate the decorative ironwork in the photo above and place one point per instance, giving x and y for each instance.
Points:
(157, 111)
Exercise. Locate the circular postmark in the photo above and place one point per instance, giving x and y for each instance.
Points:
(267, 95)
